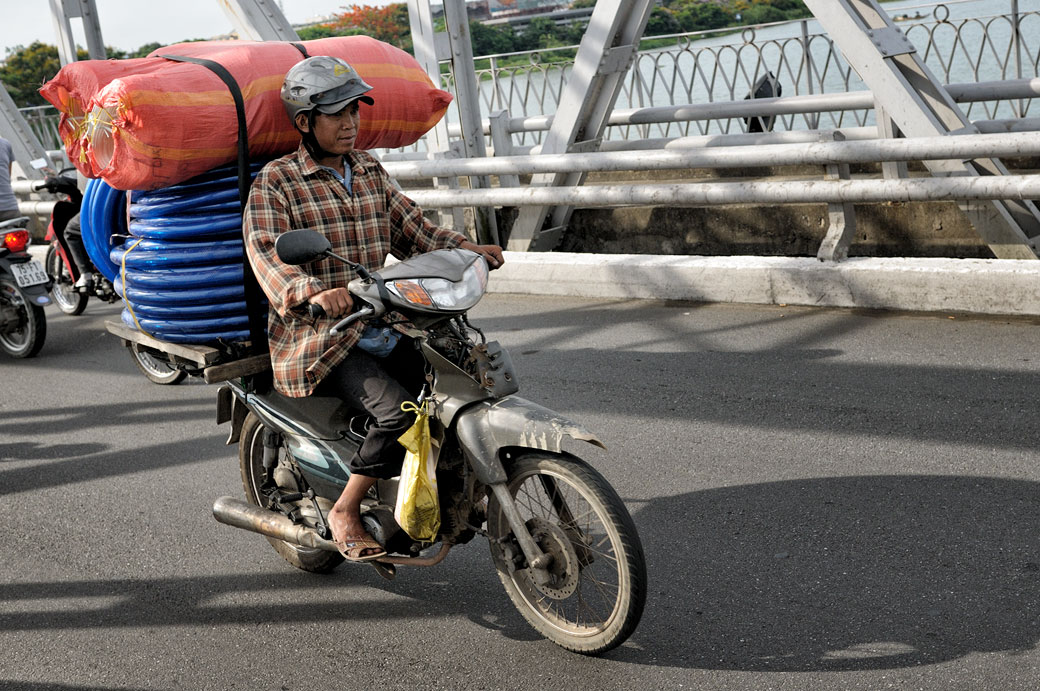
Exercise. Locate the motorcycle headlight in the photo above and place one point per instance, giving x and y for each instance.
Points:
(442, 294)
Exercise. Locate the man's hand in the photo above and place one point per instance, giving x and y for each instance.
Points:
(491, 253)
(336, 301)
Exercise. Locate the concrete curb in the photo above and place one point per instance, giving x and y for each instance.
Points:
(978, 286)
(982, 286)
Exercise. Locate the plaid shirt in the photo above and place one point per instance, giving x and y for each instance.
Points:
(375, 220)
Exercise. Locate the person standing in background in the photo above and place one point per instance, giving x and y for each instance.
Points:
(8, 202)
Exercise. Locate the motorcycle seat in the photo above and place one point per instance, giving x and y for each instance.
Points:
(19, 222)
(321, 417)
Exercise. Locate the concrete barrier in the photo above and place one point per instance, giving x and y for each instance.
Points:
(977, 286)
(980, 286)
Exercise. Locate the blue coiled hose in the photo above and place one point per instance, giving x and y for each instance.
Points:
(152, 255)
(103, 222)
(178, 263)
(215, 225)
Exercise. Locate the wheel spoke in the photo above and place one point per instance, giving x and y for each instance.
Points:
(596, 585)
(551, 499)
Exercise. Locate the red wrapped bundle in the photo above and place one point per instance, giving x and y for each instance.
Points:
(71, 91)
(163, 126)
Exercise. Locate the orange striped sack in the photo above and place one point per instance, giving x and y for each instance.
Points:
(154, 130)
(72, 89)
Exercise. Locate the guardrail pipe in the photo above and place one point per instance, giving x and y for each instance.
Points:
(1017, 187)
(961, 147)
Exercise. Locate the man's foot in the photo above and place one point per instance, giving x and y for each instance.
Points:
(350, 536)
(84, 281)
(360, 548)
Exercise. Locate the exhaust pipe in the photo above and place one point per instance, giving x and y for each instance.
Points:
(239, 514)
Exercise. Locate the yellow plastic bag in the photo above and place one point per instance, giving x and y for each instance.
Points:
(418, 510)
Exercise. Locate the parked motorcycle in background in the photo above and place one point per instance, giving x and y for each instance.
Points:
(65, 274)
(23, 293)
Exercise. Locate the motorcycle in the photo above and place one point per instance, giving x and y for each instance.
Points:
(72, 299)
(562, 541)
(60, 266)
(23, 293)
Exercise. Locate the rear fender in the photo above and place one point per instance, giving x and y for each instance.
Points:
(38, 294)
(486, 428)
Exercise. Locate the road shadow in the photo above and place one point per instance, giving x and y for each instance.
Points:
(19, 422)
(71, 464)
(839, 574)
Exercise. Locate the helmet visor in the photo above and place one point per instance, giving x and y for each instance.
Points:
(337, 98)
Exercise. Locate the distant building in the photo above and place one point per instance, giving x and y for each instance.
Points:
(509, 8)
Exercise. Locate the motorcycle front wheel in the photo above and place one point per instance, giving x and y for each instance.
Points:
(256, 478)
(65, 297)
(156, 369)
(591, 597)
(27, 327)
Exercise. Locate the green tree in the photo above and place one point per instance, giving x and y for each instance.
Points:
(790, 6)
(490, 40)
(540, 33)
(761, 13)
(27, 68)
(701, 16)
(309, 33)
(144, 50)
(662, 21)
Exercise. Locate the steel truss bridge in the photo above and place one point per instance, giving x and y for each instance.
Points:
(476, 161)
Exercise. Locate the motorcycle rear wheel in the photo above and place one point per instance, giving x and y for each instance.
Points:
(68, 300)
(254, 475)
(597, 588)
(155, 369)
(27, 338)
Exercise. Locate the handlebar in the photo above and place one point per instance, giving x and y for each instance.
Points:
(57, 183)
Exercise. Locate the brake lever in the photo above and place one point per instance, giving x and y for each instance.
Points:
(316, 311)
(362, 313)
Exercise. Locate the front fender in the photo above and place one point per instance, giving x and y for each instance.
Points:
(487, 427)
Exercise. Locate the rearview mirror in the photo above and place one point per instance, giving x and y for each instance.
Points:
(301, 246)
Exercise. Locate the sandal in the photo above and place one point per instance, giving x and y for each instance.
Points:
(354, 548)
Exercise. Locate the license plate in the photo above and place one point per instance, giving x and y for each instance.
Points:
(29, 274)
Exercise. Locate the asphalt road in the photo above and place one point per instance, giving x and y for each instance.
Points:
(828, 499)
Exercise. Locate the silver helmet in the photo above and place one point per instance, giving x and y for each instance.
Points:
(324, 83)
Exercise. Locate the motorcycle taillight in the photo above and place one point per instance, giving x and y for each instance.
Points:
(16, 240)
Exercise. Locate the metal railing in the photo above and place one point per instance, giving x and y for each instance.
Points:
(838, 191)
(961, 147)
(721, 66)
(959, 44)
(43, 120)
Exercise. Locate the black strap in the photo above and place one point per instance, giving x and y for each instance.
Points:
(257, 332)
(300, 47)
(240, 111)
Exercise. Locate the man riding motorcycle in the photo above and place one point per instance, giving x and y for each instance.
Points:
(328, 186)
